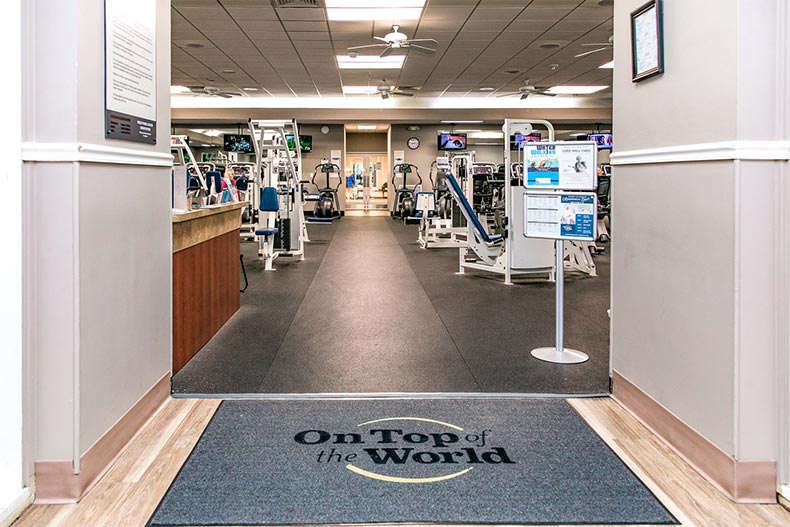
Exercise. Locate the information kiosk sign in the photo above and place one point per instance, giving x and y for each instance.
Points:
(567, 165)
(560, 216)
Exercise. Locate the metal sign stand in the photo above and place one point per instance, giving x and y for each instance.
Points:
(560, 354)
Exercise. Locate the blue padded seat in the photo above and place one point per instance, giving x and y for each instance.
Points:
(214, 176)
(242, 183)
(469, 212)
(269, 201)
(266, 232)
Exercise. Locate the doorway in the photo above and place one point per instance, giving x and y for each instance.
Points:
(375, 167)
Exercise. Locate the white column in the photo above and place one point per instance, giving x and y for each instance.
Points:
(13, 487)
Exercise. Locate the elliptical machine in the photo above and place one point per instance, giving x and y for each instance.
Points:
(328, 205)
(404, 206)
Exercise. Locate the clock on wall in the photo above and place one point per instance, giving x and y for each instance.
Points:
(413, 143)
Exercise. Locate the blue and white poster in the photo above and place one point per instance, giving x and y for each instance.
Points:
(567, 165)
(560, 216)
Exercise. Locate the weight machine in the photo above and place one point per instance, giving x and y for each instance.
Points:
(438, 210)
(248, 184)
(280, 226)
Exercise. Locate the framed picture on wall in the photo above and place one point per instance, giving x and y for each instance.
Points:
(647, 41)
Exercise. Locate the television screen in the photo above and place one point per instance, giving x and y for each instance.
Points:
(241, 144)
(604, 141)
(305, 143)
(452, 142)
(517, 140)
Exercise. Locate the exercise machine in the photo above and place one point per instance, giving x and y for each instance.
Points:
(327, 206)
(438, 210)
(509, 252)
(404, 205)
(248, 184)
(281, 228)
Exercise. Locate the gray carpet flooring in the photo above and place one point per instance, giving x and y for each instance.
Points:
(369, 311)
(532, 461)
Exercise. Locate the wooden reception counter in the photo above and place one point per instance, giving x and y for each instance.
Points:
(205, 276)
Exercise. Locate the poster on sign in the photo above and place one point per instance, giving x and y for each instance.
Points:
(130, 70)
(560, 216)
(561, 165)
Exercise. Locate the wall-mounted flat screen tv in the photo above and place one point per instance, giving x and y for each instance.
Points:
(305, 143)
(452, 142)
(517, 140)
(604, 141)
(239, 143)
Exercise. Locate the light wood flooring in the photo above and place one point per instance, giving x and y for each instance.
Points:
(130, 491)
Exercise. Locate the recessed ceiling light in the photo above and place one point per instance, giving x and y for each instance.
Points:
(575, 90)
(370, 62)
(607, 66)
(413, 128)
(228, 71)
(577, 134)
(549, 45)
(359, 90)
(250, 89)
(348, 10)
(194, 45)
(372, 4)
(179, 89)
(366, 127)
(511, 72)
(486, 88)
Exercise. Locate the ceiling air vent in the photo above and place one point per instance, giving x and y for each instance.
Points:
(280, 4)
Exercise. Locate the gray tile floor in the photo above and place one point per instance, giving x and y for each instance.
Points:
(369, 311)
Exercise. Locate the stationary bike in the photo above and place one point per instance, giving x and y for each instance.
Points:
(404, 206)
(328, 205)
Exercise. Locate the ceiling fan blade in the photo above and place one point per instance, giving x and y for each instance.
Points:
(545, 94)
(421, 49)
(387, 52)
(590, 44)
(382, 39)
(367, 46)
(412, 40)
(223, 95)
(580, 55)
(524, 96)
(402, 94)
(509, 94)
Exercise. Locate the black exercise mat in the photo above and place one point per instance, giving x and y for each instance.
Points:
(522, 461)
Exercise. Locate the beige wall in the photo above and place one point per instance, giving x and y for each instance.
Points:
(696, 287)
(98, 250)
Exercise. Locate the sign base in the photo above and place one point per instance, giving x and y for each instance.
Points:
(566, 356)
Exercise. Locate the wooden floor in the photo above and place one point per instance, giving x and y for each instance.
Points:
(132, 488)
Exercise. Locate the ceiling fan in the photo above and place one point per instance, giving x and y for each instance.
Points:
(527, 89)
(402, 91)
(603, 47)
(212, 91)
(397, 40)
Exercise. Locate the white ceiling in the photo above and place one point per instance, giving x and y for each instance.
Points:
(291, 52)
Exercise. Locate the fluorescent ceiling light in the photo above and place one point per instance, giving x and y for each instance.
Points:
(376, 13)
(607, 66)
(575, 90)
(174, 90)
(366, 127)
(577, 134)
(370, 62)
(486, 135)
(460, 122)
(373, 4)
(359, 90)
